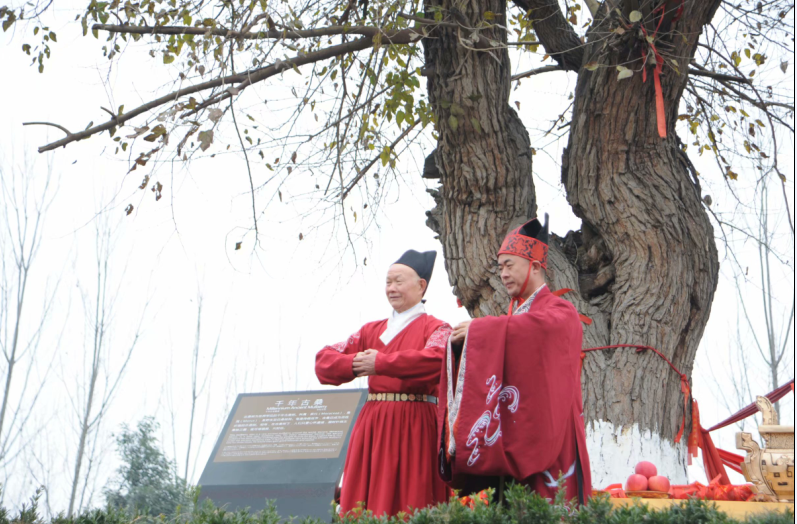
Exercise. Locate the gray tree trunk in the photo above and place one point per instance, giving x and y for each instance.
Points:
(644, 264)
(484, 159)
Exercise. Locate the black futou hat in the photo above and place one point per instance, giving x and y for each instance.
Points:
(422, 263)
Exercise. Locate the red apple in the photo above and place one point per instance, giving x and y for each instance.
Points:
(659, 483)
(636, 482)
(648, 469)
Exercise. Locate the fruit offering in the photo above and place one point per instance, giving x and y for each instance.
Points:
(659, 483)
(646, 478)
(648, 469)
(636, 482)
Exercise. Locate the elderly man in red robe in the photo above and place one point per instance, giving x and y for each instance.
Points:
(391, 461)
(511, 388)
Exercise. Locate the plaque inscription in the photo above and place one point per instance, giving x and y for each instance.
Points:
(288, 427)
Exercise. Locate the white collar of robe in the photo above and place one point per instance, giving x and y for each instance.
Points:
(398, 321)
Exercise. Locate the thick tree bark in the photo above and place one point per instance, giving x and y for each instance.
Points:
(484, 158)
(644, 263)
(654, 242)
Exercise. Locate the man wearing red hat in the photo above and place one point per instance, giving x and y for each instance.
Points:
(391, 461)
(510, 389)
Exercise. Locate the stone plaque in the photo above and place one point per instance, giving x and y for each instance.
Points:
(276, 427)
(289, 447)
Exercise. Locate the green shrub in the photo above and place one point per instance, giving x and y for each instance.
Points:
(520, 507)
(145, 482)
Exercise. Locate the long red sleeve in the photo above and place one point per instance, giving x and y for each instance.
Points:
(423, 364)
(333, 364)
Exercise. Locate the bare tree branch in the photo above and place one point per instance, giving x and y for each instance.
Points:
(23, 209)
(537, 71)
(719, 76)
(62, 128)
(373, 161)
(369, 31)
(247, 78)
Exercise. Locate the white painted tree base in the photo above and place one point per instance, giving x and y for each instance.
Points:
(614, 451)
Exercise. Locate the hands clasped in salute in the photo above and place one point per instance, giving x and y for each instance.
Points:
(364, 364)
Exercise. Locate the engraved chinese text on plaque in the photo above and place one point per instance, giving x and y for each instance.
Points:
(284, 426)
(289, 447)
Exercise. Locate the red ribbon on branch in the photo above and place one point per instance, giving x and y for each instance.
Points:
(661, 117)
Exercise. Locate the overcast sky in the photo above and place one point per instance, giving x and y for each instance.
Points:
(272, 307)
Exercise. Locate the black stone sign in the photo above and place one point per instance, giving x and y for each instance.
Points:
(287, 447)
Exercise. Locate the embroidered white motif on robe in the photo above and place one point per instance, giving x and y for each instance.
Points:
(439, 338)
(455, 397)
(552, 482)
(340, 347)
(510, 396)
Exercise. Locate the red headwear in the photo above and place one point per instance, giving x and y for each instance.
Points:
(529, 241)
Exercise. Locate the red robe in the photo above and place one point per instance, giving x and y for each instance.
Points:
(515, 410)
(392, 456)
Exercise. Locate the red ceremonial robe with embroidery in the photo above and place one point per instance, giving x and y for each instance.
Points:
(392, 455)
(512, 402)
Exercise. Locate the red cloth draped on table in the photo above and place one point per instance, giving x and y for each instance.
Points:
(512, 403)
(390, 464)
(715, 459)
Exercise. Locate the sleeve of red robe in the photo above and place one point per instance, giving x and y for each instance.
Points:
(416, 364)
(531, 361)
(333, 364)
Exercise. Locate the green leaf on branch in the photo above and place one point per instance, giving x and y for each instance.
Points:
(8, 22)
(453, 123)
(476, 125)
(635, 16)
(384, 156)
(157, 131)
(205, 139)
(624, 73)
